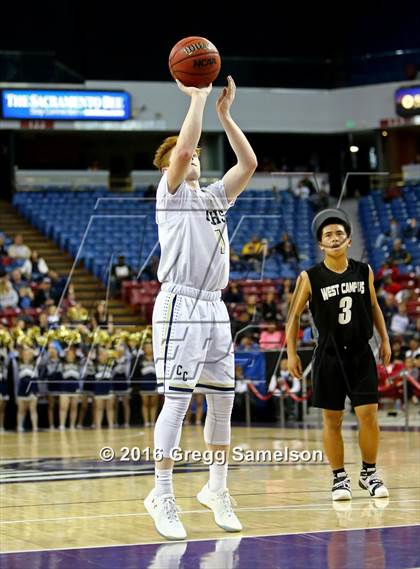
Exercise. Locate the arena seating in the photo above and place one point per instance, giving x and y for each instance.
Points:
(375, 215)
(97, 229)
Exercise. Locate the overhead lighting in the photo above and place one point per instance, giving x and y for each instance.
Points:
(384, 133)
(354, 148)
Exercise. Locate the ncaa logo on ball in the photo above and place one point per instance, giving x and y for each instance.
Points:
(204, 62)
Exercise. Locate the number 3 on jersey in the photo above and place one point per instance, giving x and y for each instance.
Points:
(344, 317)
(220, 240)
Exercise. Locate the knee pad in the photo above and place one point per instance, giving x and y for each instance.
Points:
(169, 423)
(219, 412)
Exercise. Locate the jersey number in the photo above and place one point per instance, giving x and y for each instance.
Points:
(344, 317)
(220, 240)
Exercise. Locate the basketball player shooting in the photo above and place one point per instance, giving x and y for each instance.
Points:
(192, 341)
(344, 307)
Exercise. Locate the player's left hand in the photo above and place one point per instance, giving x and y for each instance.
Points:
(385, 352)
(226, 97)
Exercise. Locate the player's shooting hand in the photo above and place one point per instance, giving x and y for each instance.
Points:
(226, 97)
(294, 365)
(190, 91)
(385, 352)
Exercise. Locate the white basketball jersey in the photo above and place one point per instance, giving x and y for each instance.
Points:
(193, 235)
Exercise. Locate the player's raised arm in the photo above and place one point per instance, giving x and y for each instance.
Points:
(379, 321)
(188, 137)
(237, 178)
(300, 297)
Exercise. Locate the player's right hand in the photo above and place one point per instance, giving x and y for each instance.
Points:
(190, 91)
(294, 365)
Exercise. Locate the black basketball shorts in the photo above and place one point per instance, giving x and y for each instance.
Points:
(341, 371)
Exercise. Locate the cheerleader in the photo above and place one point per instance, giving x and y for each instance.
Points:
(148, 386)
(53, 374)
(104, 399)
(88, 382)
(121, 383)
(69, 394)
(4, 394)
(27, 391)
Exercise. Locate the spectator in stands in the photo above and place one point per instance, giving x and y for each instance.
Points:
(57, 285)
(394, 229)
(321, 199)
(285, 248)
(26, 297)
(247, 344)
(289, 255)
(253, 309)
(34, 268)
(399, 255)
(238, 324)
(19, 250)
(43, 322)
(100, 316)
(8, 296)
(233, 294)
(397, 351)
(400, 321)
(302, 190)
(43, 296)
(414, 343)
(407, 295)
(412, 230)
(17, 281)
(150, 272)
(388, 307)
(388, 269)
(236, 263)
(272, 338)
(286, 290)
(384, 239)
(269, 306)
(254, 251)
(120, 272)
(413, 329)
(69, 301)
(391, 286)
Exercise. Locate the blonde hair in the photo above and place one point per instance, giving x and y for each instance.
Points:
(163, 153)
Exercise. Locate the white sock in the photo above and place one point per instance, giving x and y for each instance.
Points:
(163, 482)
(218, 477)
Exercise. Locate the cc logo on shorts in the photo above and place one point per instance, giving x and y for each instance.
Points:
(183, 373)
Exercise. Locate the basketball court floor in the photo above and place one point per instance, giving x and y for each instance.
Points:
(63, 507)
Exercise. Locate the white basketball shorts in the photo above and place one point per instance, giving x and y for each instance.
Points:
(192, 342)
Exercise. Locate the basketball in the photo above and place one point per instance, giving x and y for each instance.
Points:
(194, 61)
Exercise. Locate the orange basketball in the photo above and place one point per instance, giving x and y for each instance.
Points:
(194, 61)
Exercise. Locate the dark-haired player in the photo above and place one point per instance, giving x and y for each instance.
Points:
(344, 307)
